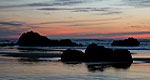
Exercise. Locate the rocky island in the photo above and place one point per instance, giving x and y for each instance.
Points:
(35, 39)
(126, 42)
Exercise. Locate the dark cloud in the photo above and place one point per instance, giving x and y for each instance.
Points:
(139, 27)
(17, 24)
(107, 10)
(100, 11)
(49, 3)
(58, 3)
(83, 35)
(14, 28)
(11, 23)
(87, 24)
(77, 9)
(91, 9)
(7, 32)
(134, 26)
(110, 13)
(137, 3)
(63, 2)
(77, 21)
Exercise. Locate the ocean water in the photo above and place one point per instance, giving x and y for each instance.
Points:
(51, 68)
(144, 44)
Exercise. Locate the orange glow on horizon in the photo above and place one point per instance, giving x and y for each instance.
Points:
(139, 36)
(14, 36)
(11, 36)
(134, 36)
(146, 36)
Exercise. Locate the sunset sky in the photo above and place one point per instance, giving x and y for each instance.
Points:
(76, 18)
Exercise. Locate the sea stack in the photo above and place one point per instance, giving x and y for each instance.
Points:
(72, 55)
(35, 39)
(126, 42)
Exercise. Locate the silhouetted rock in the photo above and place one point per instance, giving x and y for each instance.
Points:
(122, 55)
(100, 53)
(67, 42)
(126, 42)
(95, 53)
(72, 55)
(34, 39)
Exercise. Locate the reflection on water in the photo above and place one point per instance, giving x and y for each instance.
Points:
(92, 66)
(102, 66)
(35, 60)
(39, 50)
(40, 69)
(29, 59)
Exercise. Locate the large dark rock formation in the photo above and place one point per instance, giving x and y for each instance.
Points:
(34, 39)
(95, 53)
(100, 53)
(122, 56)
(126, 42)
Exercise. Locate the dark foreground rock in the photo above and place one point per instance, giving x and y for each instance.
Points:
(72, 55)
(100, 53)
(34, 39)
(126, 42)
(95, 53)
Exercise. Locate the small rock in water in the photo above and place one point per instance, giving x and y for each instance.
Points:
(126, 42)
